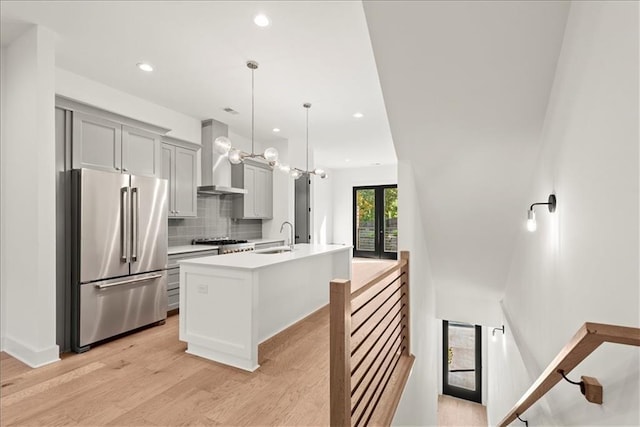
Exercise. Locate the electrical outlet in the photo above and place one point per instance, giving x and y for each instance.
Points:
(203, 289)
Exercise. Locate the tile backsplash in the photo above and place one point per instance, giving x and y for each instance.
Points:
(214, 220)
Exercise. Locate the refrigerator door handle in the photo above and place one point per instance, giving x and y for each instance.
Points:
(135, 219)
(126, 282)
(124, 225)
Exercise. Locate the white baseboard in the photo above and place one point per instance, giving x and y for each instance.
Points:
(32, 357)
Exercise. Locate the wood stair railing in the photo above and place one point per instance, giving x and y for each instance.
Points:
(370, 357)
(583, 343)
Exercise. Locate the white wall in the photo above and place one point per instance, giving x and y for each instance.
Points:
(418, 405)
(343, 181)
(107, 98)
(28, 199)
(582, 262)
(3, 298)
(322, 199)
(476, 309)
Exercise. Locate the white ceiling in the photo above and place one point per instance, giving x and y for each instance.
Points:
(466, 86)
(316, 52)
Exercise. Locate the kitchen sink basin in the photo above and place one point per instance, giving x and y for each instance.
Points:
(277, 250)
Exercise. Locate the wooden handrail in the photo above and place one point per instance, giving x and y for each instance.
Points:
(381, 275)
(584, 342)
(370, 357)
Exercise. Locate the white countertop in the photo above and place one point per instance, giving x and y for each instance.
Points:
(173, 250)
(253, 260)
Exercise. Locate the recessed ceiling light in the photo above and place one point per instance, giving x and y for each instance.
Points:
(145, 67)
(276, 129)
(358, 115)
(262, 20)
(347, 160)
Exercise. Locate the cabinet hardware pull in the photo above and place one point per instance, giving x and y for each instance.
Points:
(135, 219)
(124, 226)
(126, 282)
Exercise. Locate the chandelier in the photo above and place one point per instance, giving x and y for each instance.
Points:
(223, 145)
(297, 173)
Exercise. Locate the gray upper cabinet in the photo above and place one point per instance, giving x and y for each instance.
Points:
(257, 179)
(179, 166)
(140, 152)
(97, 143)
(105, 140)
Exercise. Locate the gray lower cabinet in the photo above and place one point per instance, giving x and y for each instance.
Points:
(100, 143)
(179, 166)
(173, 276)
(257, 179)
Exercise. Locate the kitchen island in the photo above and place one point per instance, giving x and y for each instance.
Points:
(231, 303)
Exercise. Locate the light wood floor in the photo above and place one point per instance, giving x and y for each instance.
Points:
(454, 412)
(146, 378)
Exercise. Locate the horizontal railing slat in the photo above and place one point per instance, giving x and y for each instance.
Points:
(356, 295)
(370, 346)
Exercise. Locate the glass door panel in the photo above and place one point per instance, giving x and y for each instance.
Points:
(375, 221)
(365, 221)
(390, 218)
(461, 360)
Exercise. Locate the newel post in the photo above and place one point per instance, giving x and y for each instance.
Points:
(406, 320)
(340, 352)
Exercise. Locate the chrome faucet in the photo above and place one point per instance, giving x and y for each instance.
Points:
(291, 237)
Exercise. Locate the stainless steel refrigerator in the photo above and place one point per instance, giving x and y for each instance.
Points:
(119, 247)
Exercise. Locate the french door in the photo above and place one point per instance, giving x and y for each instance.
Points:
(375, 221)
(461, 360)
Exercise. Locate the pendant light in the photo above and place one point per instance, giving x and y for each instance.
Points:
(297, 173)
(223, 145)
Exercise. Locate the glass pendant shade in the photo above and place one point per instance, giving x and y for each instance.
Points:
(284, 168)
(320, 172)
(222, 144)
(295, 173)
(271, 154)
(235, 156)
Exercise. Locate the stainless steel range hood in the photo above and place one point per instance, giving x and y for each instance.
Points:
(218, 190)
(216, 169)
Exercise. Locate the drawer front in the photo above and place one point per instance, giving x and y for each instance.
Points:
(173, 259)
(115, 306)
(173, 299)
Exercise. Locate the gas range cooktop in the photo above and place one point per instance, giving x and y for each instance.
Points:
(218, 241)
(227, 245)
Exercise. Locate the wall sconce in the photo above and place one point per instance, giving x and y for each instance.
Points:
(493, 333)
(531, 216)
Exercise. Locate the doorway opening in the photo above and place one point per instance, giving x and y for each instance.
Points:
(375, 221)
(302, 203)
(462, 360)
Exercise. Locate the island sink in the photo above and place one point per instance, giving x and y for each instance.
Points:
(231, 303)
(276, 250)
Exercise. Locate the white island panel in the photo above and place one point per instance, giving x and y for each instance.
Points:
(288, 292)
(231, 303)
